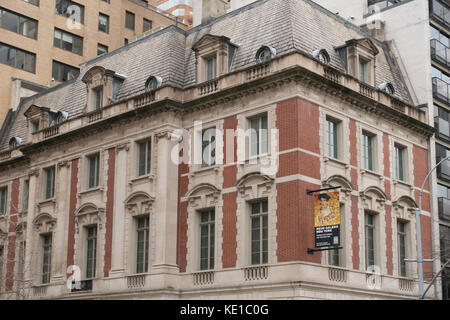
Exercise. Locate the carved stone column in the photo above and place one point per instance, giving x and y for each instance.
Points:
(117, 262)
(33, 180)
(166, 194)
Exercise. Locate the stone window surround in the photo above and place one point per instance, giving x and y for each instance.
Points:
(200, 201)
(137, 209)
(43, 224)
(196, 149)
(94, 78)
(42, 186)
(342, 131)
(84, 164)
(134, 154)
(362, 49)
(407, 163)
(8, 188)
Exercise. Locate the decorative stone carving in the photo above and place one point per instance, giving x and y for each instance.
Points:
(254, 185)
(373, 198)
(203, 195)
(88, 214)
(139, 203)
(44, 223)
(404, 207)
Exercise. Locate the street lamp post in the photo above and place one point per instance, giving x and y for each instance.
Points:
(420, 259)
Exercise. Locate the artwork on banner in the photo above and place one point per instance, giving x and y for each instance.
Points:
(327, 219)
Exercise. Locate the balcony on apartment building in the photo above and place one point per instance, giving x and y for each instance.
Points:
(443, 171)
(442, 128)
(440, 52)
(444, 208)
(440, 12)
(441, 90)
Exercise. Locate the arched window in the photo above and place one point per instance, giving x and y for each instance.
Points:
(14, 142)
(153, 82)
(322, 55)
(265, 53)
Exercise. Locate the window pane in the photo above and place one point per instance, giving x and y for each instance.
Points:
(10, 21)
(28, 27)
(129, 20)
(146, 25)
(103, 23)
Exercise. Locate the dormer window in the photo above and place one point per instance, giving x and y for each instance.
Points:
(322, 55)
(358, 56)
(102, 86)
(387, 87)
(153, 82)
(14, 142)
(265, 53)
(214, 55)
(34, 126)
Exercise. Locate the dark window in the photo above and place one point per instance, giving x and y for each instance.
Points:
(129, 20)
(98, 97)
(18, 23)
(400, 157)
(70, 9)
(367, 151)
(94, 170)
(26, 193)
(142, 236)
(63, 72)
(17, 58)
(402, 246)
(68, 41)
(49, 176)
(332, 138)
(370, 239)
(146, 25)
(144, 157)
(35, 2)
(3, 195)
(125, 41)
(91, 251)
(46, 257)
(207, 236)
(101, 49)
(103, 22)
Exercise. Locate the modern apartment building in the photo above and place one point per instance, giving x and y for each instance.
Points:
(43, 42)
(181, 166)
(182, 9)
(420, 40)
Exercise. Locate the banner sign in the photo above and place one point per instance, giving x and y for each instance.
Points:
(327, 219)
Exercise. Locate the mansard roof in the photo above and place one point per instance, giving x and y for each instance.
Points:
(286, 25)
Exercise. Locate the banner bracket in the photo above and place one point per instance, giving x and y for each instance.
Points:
(311, 251)
(310, 192)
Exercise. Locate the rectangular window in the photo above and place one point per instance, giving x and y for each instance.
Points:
(18, 23)
(103, 22)
(101, 49)
(335, 255)
(63, 72)
(210, 68)
(46, 257)
(208, 147)
(129, 20)
(399, 162)
(94, 170)
(70, 9)
(332, 138)
(146, 25)
(367, 151)
(401, 239)
(21, 261)
(363, 70)
(17, 58)
(207, 239)
(125, 41)
(259, 232)
(3, 197)
(68, 41)
(26, 193)
(98, 97)
(370, 239)
(34, 126)
(144, 157)
(142, 237)
(91, 251)
(49, 176)
(258, 135)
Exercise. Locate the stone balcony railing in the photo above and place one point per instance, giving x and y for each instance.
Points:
(287, 64)
(286, 274)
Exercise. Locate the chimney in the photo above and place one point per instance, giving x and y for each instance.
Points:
(206, 10)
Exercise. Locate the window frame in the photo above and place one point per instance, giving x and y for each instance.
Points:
(400, 172)
(102, 15)
(3, 200)
(210, 67)
(104, 47)
(96, 170)
(210, 224)
(128, 16)
(144, 22)
(91, 271)
(147, 157)
(368, 161)
(46, 251)
(19, 23)
(402, 266)
(260, 142)
(337, 124)
(46, 194)
(70, 3)
(211, 144)
(373, 226)
(26, 58)
(263, 218)
(73, 36)
(64, 71)
(146, 243)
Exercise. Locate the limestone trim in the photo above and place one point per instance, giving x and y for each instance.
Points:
(44, 223)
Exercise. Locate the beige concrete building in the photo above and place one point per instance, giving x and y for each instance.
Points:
(42, 43)
(108, 189)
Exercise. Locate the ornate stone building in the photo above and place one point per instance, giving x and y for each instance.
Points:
(107, 178)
